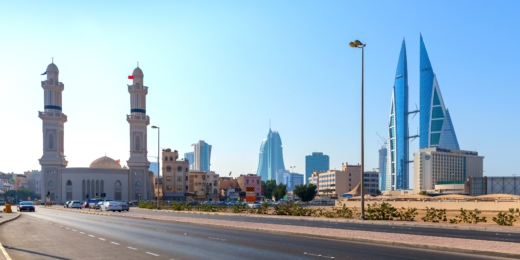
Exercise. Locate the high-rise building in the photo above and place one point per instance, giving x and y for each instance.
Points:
(190, 157)
(383, 152)
(270, 157)
(201, 156)
(436, 128)
(397, 171)
(437, 165)
(317, 162)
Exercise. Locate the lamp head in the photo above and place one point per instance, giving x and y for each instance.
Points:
(154, 127)
(356, 44)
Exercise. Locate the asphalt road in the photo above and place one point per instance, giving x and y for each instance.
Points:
(439, 232)
(51, 234)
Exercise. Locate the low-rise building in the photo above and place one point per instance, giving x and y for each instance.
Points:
(203, 186)
(476, 186)
(250, 183)
(435, 165)
(334, 183)
(33, 181)
(174, 178)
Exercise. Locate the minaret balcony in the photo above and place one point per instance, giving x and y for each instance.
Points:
(135, 117)
(143, 88)
(52, 115)
(57, 85)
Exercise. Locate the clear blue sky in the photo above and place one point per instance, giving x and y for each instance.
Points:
(219, 70)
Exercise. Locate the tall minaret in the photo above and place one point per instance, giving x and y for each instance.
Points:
(53, 158)
(138, 162)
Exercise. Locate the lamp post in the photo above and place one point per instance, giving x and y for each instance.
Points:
(158, 160)
(358, 44)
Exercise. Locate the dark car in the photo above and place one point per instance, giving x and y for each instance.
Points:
(26, 206)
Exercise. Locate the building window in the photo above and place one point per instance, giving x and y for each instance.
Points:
(179, 187)
(169, 178)
(179, 169)
(171, 158)
(179, 178)
(169, 169)
(169, 187)
(137, 184)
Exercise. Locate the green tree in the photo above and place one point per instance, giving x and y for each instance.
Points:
(423, 192)
(268, 188)
(305, 192)
(280, 191)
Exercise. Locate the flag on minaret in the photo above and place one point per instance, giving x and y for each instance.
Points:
(129, 77)
(44, 73)
(118, 160)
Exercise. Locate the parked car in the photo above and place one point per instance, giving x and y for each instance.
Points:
(25, 206)
(124, 205)
(111, 206)
(254, 205)
(75, 204)
(66, 204)
(98, 205)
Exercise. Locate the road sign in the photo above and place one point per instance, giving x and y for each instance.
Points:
(56, 196)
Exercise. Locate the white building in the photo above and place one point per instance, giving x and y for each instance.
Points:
(440, 166)
(105, 175)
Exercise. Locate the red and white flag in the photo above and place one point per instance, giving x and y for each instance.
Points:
(131, 77)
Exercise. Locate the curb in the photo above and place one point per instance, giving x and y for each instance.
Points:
(368, 222)
(186, 212)
(84, 212)
(364, 240)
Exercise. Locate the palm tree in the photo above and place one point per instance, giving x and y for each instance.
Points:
(327, 191)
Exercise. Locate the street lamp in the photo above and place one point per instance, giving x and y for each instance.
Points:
(158, 160)
(292, 168)
(358, 44)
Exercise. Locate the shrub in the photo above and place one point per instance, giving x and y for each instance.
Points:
(344, 212)
(507, 219)
(434, 215)
(181, 206)
(407, 214)
(238, 208)
(293, 209)
(383, 211)
(470, 217)
(146, 205)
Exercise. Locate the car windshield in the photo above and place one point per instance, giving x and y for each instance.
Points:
(26, 203)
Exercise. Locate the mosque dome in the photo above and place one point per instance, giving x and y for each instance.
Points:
(105, 162)
(52, 67)
(137, 71)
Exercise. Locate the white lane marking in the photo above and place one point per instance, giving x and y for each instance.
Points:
(216, 238)
(102, 239)
(82, 233)
(91, 236)
(74, 230)
(114, 243)
(67, 228)
(152, 254)
(61, 226)
(325, 256)
(131, 248)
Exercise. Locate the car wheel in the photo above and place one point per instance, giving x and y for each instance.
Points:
(120, 211)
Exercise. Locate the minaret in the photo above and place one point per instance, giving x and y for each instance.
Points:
(138, 162)
(53, 158)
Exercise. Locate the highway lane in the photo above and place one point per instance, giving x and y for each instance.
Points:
(439, 232)
(52, 234)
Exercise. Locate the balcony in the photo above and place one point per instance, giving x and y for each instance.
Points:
(131, 87)
(138, 117)
(56, 114)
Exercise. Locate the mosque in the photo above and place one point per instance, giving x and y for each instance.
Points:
(105, 178)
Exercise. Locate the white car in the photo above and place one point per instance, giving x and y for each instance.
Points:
(111, 206)
(75, 204)
(254, 205)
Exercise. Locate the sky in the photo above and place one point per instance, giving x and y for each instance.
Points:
(219, 71)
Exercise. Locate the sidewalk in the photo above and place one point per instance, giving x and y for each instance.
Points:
(416, 223)
(473, 246)
(6, 217)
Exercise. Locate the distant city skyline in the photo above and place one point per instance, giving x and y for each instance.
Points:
(219, 72)
(270, 159)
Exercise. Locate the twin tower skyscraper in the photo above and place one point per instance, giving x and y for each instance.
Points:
(436, 127)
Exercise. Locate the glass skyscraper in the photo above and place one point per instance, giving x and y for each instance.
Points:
(190, 157)
(201, 156)
(271, 157)
(383, 152)
(316, 162)
(397, 171)
(436, 128)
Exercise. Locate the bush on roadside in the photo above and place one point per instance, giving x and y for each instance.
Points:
(508, 218)
(407, 214)
(293, 209)
(181, 206)
(238, 208)
(434, 215)
(146, 205)
(471, 217)
(383, 211)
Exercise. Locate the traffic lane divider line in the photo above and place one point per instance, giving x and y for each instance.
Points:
(6, 255)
